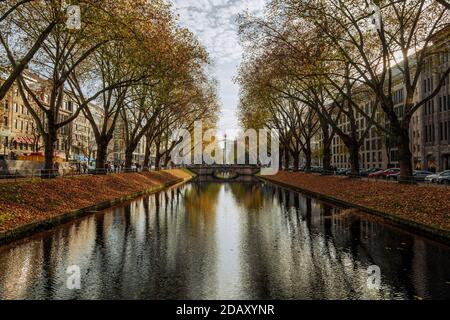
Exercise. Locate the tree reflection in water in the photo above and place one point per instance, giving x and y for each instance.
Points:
(238, 240)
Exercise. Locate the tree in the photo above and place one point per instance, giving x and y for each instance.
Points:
(180, 87)
(445, 3)
(60, 54)
(407, 36)
(137, 51)
(27, 48)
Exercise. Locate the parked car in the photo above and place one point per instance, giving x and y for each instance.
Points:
(418, 175)
(434, 178)
(393, 176)
(384, 173)
(375, 174)
(343, 172)
(366, 172)
(444, 178)
(317, 169)
(421, 175)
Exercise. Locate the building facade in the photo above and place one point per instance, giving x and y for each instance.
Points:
(20, 137)
(429, 128)
(435, 153)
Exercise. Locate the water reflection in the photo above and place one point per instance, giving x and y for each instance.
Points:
(240, 240)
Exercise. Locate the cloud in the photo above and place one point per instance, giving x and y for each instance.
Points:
(214, 23)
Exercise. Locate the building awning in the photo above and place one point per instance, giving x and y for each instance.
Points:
(24, 140)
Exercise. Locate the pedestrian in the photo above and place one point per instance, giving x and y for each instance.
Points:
(56, 169)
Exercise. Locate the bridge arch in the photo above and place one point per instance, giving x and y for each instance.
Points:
(231, 170)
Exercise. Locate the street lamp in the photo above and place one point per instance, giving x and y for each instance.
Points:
(225, 151)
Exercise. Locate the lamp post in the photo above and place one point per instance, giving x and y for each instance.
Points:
(225, 151)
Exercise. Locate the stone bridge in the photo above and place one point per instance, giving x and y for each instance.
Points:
(212, 170)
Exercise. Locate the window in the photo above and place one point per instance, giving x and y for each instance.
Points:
(446, 128)
(16, 108)
(398, 96)
(394, 155)
(5, 121)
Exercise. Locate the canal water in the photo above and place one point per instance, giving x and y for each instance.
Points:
(237, 240)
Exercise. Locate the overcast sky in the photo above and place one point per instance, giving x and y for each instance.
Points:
(214, 23)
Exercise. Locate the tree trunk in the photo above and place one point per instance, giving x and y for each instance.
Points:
(166, 160)
(146, 165)
(157, 162)
(128, 158)
(286, 159)
(326, 142)
(308, 159)
(158, 156)
(296, 156)
(102, 151)
(353, 149)
(281, 157)
(50, 140)
(326, 157)
(405, 157)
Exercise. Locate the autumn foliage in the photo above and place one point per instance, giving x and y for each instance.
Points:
(426, 205)
(22, 203)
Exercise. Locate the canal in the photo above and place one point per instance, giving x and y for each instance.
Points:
(237, 240)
